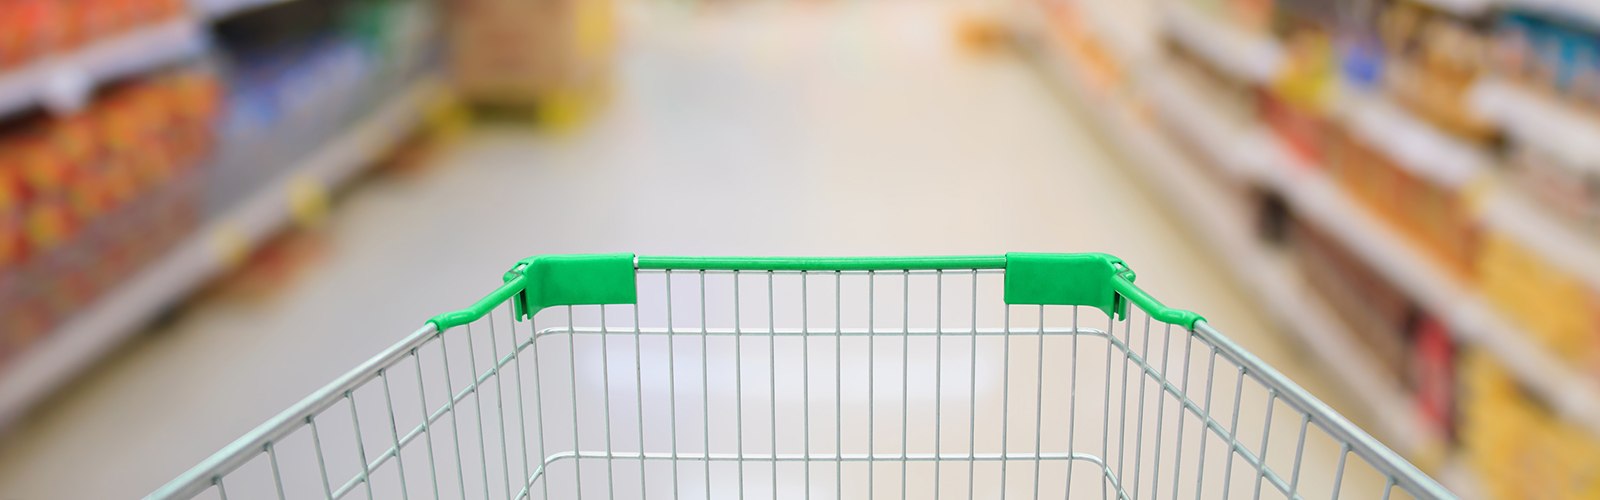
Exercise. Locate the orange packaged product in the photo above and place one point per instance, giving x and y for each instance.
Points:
(16, 35)
(42, 21)
(1559, 310)
(49, 224)
(1518, 447)
(1434, 58)
(98, 18)
(12, 243)
(73, 31)
(73, 142)
(1431, 209)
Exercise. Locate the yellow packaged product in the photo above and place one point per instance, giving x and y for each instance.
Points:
(1519, 449)
(1555, 307)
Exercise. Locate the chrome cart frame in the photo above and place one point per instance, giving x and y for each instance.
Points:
(614, 376)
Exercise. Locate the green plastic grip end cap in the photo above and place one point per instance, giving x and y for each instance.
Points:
(1064, 279)
(575, 280)
(1096, 280)
(554, 280)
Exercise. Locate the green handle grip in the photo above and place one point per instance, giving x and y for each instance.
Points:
(823, 263)
(1154, 307)
(1087, 279)
(479, 309)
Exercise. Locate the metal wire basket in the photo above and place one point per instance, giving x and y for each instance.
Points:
(615, 376)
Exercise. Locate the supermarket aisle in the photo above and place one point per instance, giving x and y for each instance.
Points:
(808, 129)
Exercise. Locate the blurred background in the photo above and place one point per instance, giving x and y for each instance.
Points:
(209, 209)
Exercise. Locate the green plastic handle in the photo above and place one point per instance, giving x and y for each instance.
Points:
(1086, 279)
(823, 263)
(1154, 307)
(481, 308)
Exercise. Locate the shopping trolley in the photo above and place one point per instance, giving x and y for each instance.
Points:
(616, 376)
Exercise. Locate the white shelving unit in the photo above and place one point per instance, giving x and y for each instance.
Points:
(1571, 135)
(218, 9)
(1223, 225)
(1314, 196)
(1247, 56)
(1585, 10)
(64, 82)
(93, 331)
(1414, 144)
(1538, 120)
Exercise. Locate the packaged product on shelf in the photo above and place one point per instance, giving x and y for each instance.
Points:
(1559, 58)
(1073, 32)
(1548, 54)
(295, 87)
(1296, 105)
(1431, 367)
(1379, 314)
(32, 29)
(1432, 208)
(86, 200)
(1197, 87)
(1433, 59)
(1234, 99)
(1517, 446)
(1561, 311)
(529, 51)
(1254, 16)
(1572, 188)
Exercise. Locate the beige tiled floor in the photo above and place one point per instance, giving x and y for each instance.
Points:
(805, 128)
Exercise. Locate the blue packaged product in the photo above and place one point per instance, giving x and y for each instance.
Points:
(1585, 86)
(1546, 41)
(1508, 52)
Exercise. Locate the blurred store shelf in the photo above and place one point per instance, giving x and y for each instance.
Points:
(1418, 145)
(218, 9)
(1424, 149)
(1539, 120)
(1247, 56)
(1585, 11)
(1557, 129)
(64, 82)
(1462, 7)
(1316, 197)
(213, 249)
(1224, 225)
(1576, 250)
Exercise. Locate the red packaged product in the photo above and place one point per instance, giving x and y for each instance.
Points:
(1433, 373)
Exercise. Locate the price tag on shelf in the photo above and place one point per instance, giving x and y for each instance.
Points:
(229, 245)
(308, 200)
(65, 89)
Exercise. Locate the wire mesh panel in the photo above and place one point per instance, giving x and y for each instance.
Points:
(762, 383)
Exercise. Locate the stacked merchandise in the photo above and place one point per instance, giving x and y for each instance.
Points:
(1521, 450)
(1429, 60)
(304, 71)
(93, 195)
(1233, 99)
(1433, 58)
(85, 200)
(31, 30)
(1556, 57)
(1298, 101)
(1379, 94)
(1561, 59)
(552, 55)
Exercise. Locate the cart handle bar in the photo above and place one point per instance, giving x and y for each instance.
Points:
(1078, 279)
